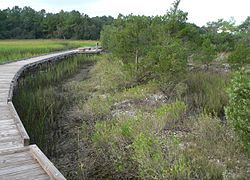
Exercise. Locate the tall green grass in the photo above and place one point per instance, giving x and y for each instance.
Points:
(11, 50)
(38, 103)
(204, 91)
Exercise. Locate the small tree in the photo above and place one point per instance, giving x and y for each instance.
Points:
(206, 53)
(170, 62)
(238, 110)
(241, 54)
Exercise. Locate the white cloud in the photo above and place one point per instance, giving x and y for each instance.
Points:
(202, 11)
(137, 7)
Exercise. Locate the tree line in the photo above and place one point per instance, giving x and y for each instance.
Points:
(26, 23)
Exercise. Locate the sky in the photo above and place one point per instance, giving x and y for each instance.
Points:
(199, 11)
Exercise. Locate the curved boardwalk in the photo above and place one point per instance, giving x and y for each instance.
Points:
(18, 159)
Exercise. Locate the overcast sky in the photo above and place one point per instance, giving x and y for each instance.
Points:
(199, 11)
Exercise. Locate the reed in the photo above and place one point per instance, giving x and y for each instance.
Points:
(38, 103)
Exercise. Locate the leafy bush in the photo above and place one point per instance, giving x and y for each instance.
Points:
(149, 155)
(206, 53)
(238, 109)
(171, 65)
(241, 54)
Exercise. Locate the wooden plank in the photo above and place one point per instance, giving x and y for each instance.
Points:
(8, 132)
(14, 143)
(35, 173)
(2, 91)
(5, 116)
(4, 88)
(13, 170)
(4, 107)
(4, 127)
(6, 74)
(18, 162)
(10, 145)
(10, 158)
(3, 99)
(42, 177)
(50, 169)
(2, 103)
(14, 150)
(7, 121)
(19, 124)
(10, 138)
(4, 111)
(6, 80)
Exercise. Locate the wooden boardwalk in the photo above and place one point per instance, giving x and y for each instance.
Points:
(18, 159)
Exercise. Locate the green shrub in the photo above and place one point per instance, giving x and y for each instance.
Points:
(171, 65)
(238, 109)
(113, 139)
(241, 54)
(206, 53)
(214, 151)
(149, 156)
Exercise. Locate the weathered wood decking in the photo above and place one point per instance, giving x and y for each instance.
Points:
(18, 159)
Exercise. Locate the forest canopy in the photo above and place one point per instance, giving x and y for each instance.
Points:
(26, 23)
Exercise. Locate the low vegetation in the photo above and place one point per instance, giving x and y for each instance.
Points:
(11, 50)
(141, 132)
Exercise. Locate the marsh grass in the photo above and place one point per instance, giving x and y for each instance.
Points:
(11, 50)
(38, 103)
(204, 92)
